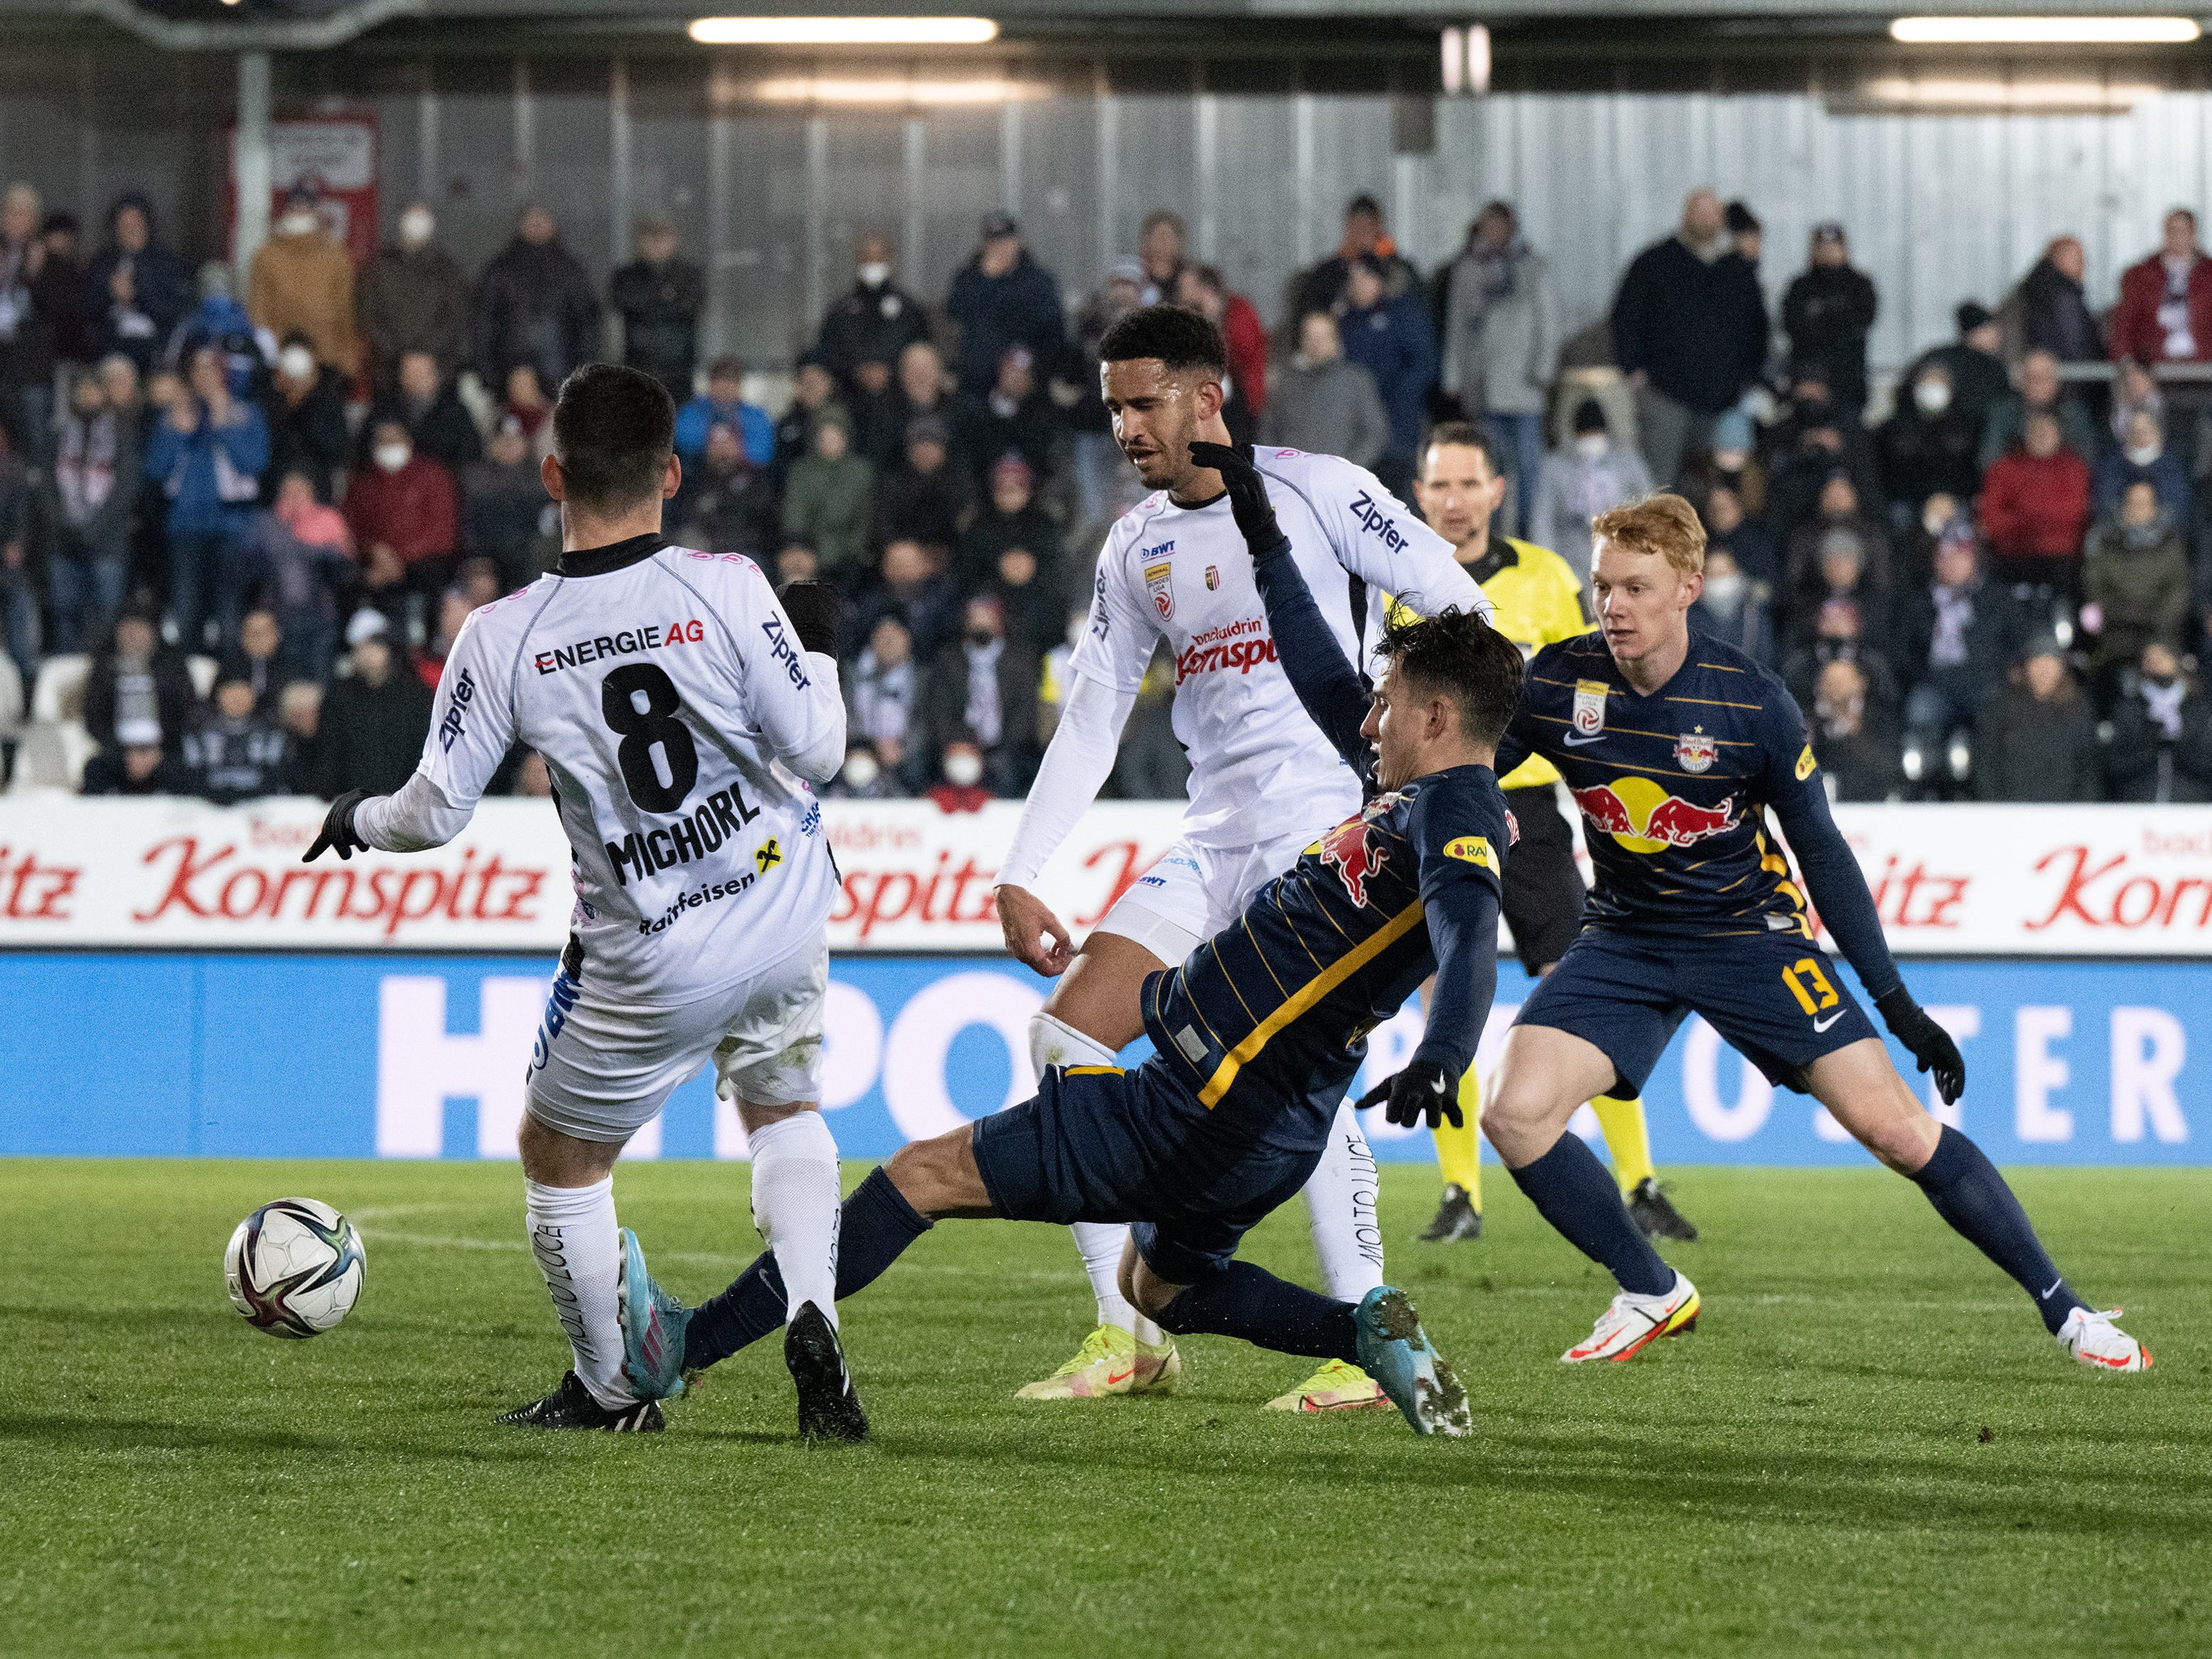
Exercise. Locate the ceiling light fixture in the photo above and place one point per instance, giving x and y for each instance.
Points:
(2045, 31)
(844, 31)
(830, 89)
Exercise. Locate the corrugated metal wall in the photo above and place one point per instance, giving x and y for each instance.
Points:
(1940, 208)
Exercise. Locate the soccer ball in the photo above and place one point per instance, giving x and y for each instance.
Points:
(295, 1268)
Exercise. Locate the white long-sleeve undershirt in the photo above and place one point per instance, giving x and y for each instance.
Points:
(1076, 765)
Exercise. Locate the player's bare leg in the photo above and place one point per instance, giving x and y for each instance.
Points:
(568, 1187)
(1864, 1093)
(1545, 1075)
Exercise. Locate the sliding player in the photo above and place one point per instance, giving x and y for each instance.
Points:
(1535, 601)
(663, 687)
(1675, 750)
(1262, 787)
(1254, 1035)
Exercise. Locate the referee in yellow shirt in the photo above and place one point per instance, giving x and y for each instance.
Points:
(1539, 599)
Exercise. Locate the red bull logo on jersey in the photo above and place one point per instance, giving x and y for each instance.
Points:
(1696, 751)
(1644, 818)
(1350, 851)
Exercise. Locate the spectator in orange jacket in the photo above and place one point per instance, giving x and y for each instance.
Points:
(404, 513)
(2035, 505)
(2165, 313)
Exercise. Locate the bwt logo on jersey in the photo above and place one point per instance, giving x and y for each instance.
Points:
(1243, 646)
(643, 852)
(465, 691)
(1375, 522)
(629, 642)
(1644, 818)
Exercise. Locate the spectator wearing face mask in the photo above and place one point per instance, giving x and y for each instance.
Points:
(91, 491)
(1949, 644)
(302, 554)
(1323, 404)
(236, 753)
(504, 514)
(301, 282)
(305, 407)
(208, 452)
(1014, 416)
(862, 777)
(1977, 371)
(374, 720)
(2165, 311)
(2144, 457)
(404, 509)
(2135, 580)
(879, 701)
(1828, 311)
(1591, 475)
(1858, 755)
(2035, 504)
(828, 498)
(2036, 740)
(1009, 518)
(1733, 608)
(1931, 445)
(1805, 448)
(659, 296)
(138, 691)
(872, 322)
(413, 296)
(2161, 745)
(982, 695)
(428, 405)
(2037, 385)
(723, 403)
(962, 783)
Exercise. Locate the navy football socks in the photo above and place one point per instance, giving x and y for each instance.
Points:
(1967, 1192)
(877, 1223)
(1249, 1303)
(1574, 1192)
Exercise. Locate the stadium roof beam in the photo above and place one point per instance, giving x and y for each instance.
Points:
(248, 32)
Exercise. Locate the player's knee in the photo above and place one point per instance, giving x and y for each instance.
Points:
(923, 1172)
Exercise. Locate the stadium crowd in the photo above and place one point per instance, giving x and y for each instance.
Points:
(238, 534)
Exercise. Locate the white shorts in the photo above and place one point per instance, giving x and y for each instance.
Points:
(602, 1069)
(1193, 892)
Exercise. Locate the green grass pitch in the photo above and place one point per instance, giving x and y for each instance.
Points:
(1869, 1445)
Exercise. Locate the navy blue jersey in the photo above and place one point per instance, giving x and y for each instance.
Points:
(1675, 788)
(1272, 1014)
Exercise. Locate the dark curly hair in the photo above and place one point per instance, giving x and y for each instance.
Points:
(1181, 339)
(1459, 654)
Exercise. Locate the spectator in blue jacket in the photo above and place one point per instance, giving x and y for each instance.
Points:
(1389, 336)
(1003, 298)
(723, 404)
(207, 453)
(2143, 457)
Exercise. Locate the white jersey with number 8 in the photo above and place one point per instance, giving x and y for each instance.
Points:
(679, 717)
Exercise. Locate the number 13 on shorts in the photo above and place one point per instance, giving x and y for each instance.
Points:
(1808, 982)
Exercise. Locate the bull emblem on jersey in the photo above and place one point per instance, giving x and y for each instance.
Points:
(1348, 850)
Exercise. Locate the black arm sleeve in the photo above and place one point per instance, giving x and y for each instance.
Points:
(1329, 688)
(1833, 878)
(1460, 899)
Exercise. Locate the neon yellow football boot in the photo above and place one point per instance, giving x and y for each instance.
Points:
(1106, 1364)
(1335, 1386)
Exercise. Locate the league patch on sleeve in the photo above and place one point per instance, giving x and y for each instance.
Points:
(1805, 764)
(1476, 849)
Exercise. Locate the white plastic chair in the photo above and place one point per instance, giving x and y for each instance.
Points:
(58, 693)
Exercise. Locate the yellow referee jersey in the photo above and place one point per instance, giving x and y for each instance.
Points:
(1537, 602)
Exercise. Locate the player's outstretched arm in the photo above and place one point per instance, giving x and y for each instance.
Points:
(1075, 767)
(794, 693)
(1838, 888)
(1329, 688)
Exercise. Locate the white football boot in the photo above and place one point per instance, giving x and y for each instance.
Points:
(2095, 1341)
(1632, 1323)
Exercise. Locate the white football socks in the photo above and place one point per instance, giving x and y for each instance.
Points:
(572, 1235)
(1341, 1206)
(796, 1205)
(1054, 1042)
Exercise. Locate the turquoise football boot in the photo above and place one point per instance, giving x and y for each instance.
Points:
(1395, 1351)
(653, 1324)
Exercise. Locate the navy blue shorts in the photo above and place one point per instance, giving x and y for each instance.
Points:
(1775, 998)
(1099, 1143)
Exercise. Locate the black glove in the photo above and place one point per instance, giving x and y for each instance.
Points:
(1248, 497)
(336, 835)
(1423, 1092)
(1930, 1044)
(817, 614)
